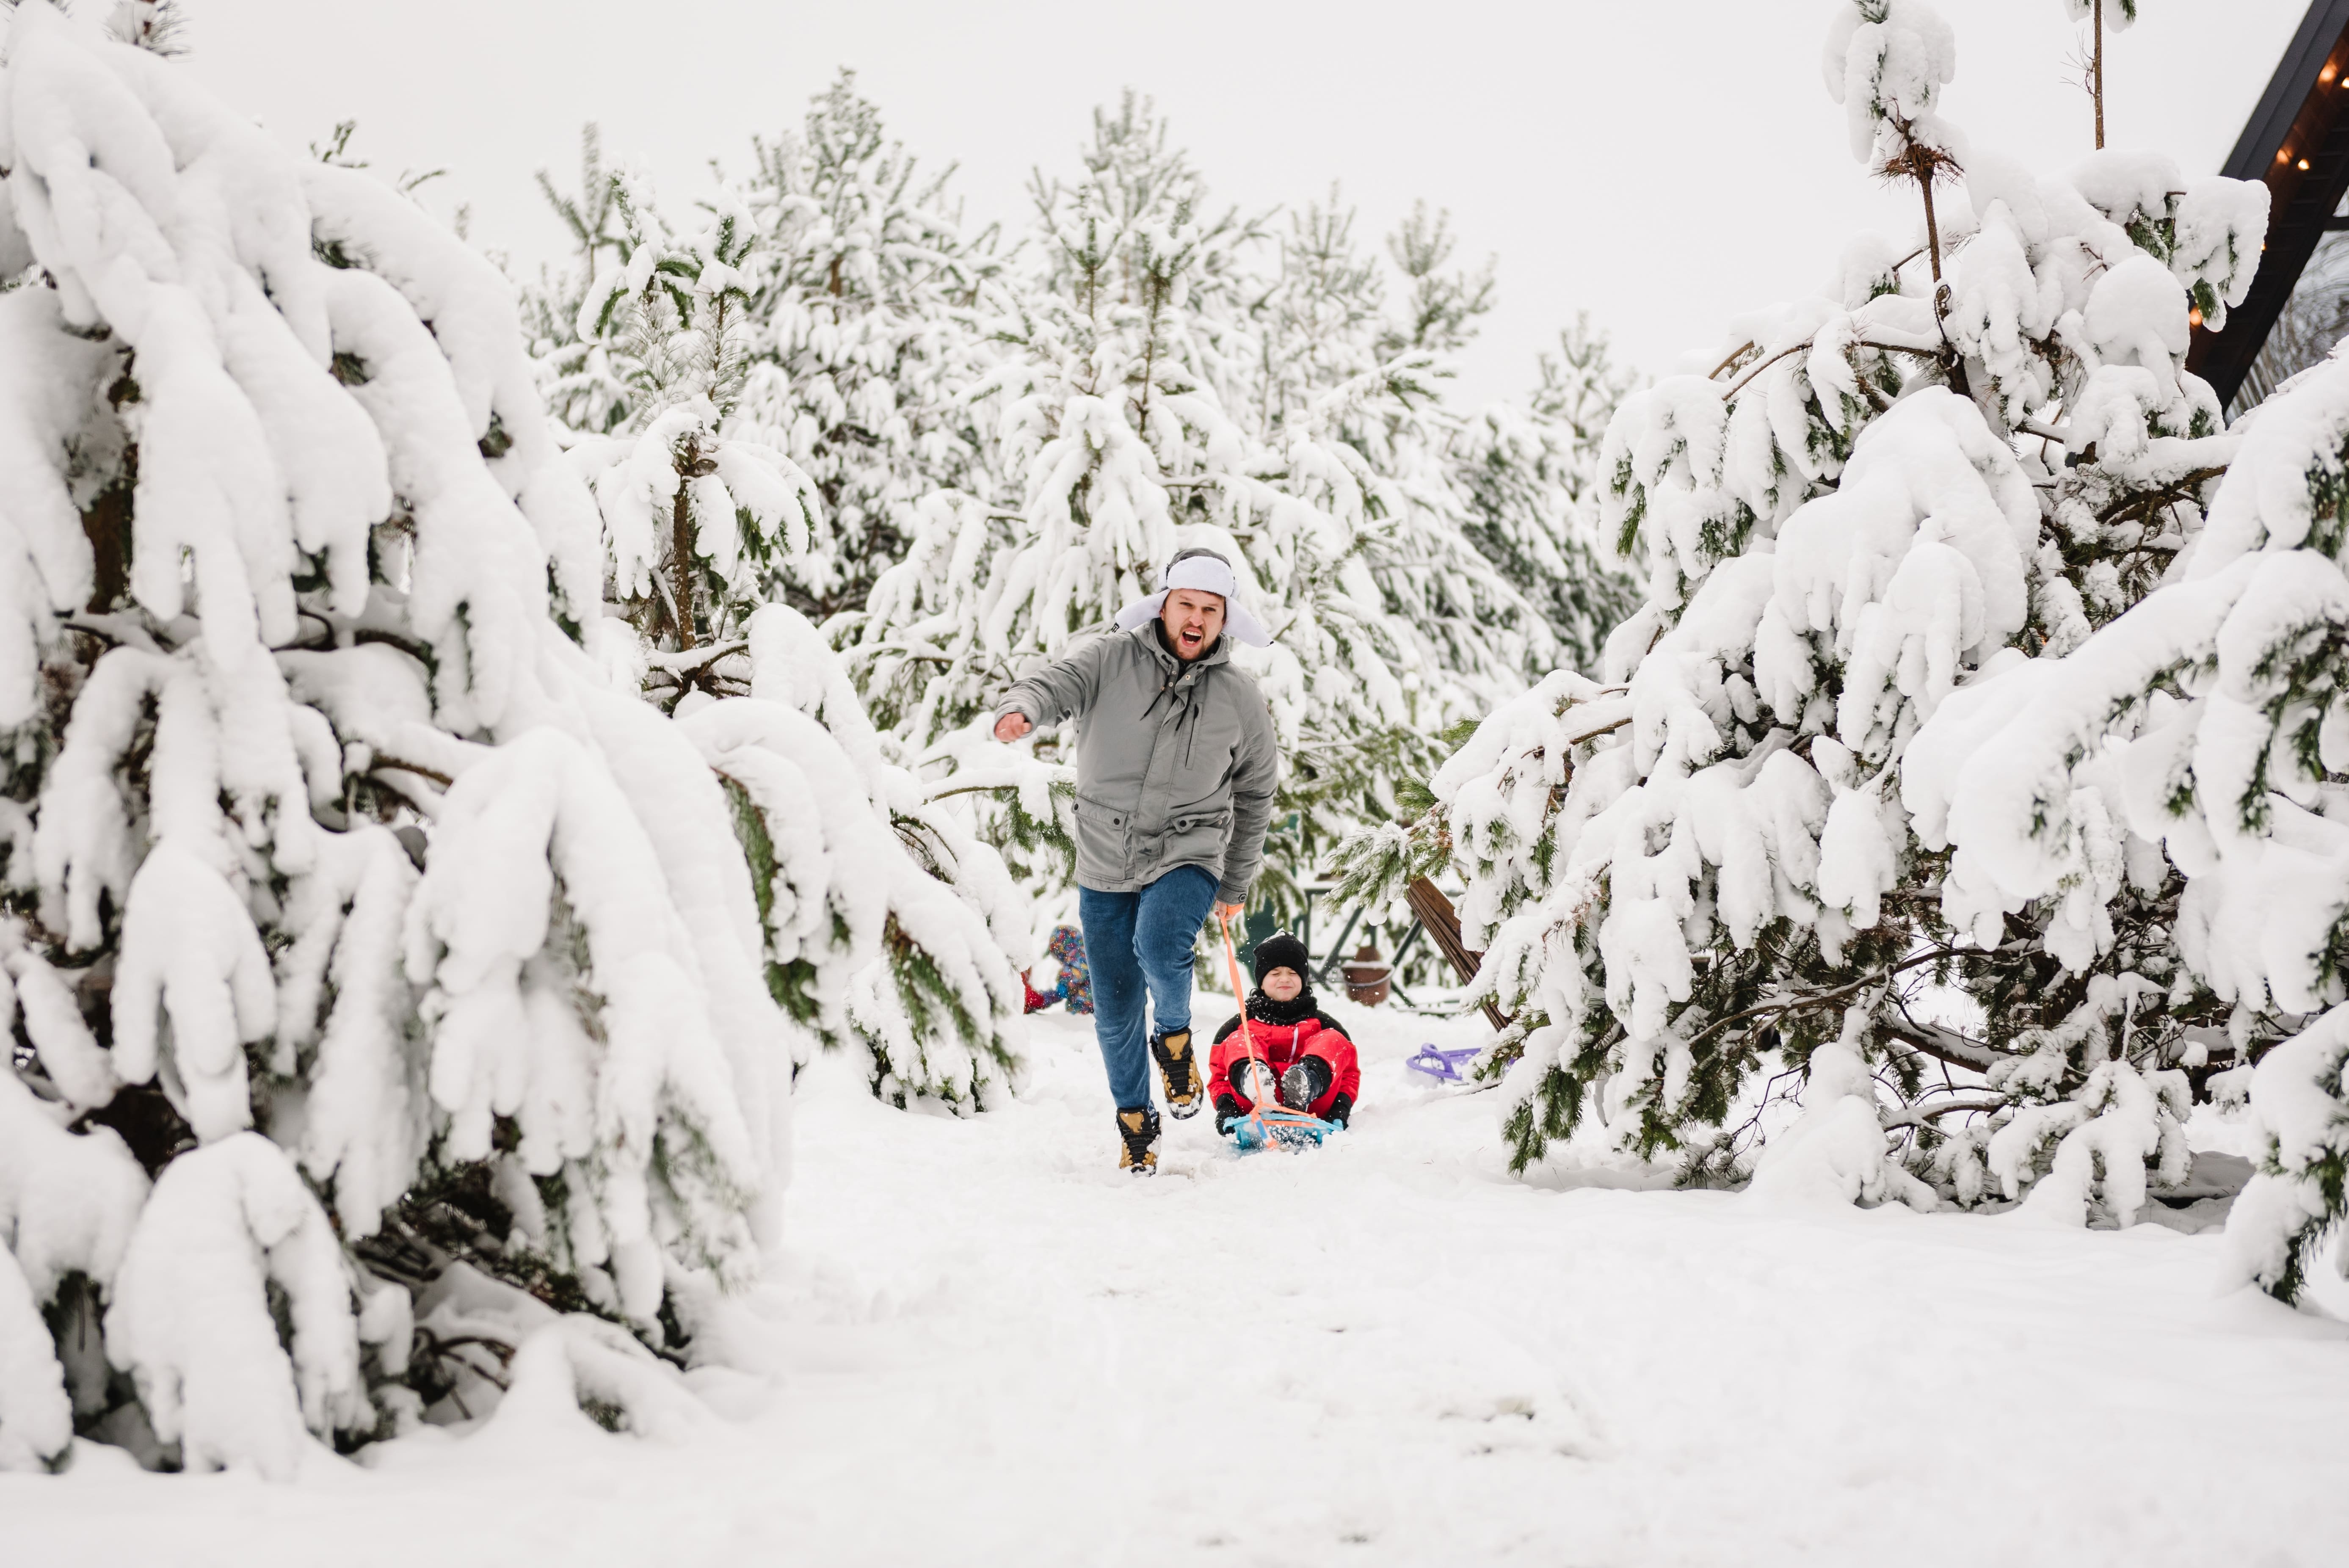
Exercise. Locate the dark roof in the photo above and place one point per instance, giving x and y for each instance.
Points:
(2297, 140)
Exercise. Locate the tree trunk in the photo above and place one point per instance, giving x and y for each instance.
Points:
(2097, 70)
(688, 460)
(1435, 912)
(107, 525)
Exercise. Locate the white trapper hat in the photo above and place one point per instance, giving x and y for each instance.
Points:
(1209, 574)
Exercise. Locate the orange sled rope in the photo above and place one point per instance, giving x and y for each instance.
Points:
(1267, 1123)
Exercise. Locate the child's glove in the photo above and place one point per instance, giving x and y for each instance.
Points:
(1227, 1111)
(1339, 1109)
(1307, 1080)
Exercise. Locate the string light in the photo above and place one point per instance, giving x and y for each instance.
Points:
(2301, 166)
(2284, 154)
(2194, 317)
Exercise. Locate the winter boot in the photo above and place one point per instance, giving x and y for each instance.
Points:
(1138, 1131)
(1307, 1080)
(1179, 1066)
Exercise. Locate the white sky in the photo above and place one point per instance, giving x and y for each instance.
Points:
(1665, 164)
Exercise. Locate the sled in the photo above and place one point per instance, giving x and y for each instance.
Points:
(1444, 1066)
(1267, 1125)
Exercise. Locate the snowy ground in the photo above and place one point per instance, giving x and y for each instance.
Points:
(994, 1349)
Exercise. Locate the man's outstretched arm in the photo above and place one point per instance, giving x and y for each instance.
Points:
(1063, 688)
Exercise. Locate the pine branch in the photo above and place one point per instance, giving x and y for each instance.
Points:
(400, 765)
(1925, 1115)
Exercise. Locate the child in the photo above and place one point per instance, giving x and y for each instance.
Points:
(1075, 984)
(1313, 1063)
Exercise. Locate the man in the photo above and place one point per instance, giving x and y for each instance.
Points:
(1175, 768)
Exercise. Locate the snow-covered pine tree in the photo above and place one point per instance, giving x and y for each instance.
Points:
(865, 292)
(1376, 407)
(1103, 405)
(1973, 448)
(884, 922)
(701, 524)
(888, 926)
(295, 1130)
(851, 299)
(1531, 475)
(1159, 388)
(2212, 719)
(583, 389)
(1406, 628)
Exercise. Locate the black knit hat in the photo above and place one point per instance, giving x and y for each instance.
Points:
(1281, 951)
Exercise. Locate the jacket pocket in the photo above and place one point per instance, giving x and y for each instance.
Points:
(1199, 837)
(1209, 754)
(1101, 839)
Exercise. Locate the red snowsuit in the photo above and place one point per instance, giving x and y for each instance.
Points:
(1280, 1044)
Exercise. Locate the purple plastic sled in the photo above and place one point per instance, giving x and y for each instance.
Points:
(1444, 1066)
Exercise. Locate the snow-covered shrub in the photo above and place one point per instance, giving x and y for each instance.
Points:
(344, 901)
(885, 920)
(876, 922)
(1933, 479)
(2212, 719)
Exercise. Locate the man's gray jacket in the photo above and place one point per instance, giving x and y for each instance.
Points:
(1175, 762)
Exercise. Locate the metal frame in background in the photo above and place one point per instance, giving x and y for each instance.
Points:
(1324, 967)
(2297, 141)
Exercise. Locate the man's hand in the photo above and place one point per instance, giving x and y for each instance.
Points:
(1011, 726)
(1226, 913)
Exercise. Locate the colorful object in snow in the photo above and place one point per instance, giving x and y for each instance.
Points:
(1276, 1125)
(1075, 984)
(1270, 1125)
(1444, 1066)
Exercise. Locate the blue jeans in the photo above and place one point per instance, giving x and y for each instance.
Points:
(1137, 943)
